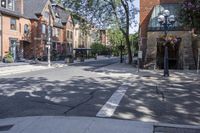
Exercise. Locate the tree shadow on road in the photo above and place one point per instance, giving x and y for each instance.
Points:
(37, 96)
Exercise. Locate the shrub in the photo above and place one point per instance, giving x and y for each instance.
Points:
(100, 49)
(8, 58)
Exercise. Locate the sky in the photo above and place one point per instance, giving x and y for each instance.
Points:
(135, 29)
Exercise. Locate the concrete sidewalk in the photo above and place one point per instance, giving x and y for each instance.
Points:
(22, 67)
(61, 124)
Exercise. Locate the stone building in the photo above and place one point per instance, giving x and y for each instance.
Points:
(150, 30)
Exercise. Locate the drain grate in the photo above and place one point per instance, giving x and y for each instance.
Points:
(6, 127)
(160, 129)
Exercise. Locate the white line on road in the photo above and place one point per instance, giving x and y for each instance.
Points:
(109, 108)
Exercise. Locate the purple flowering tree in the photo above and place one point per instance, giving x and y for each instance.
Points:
(190, 14)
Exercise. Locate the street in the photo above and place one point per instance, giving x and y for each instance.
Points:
(103, 89)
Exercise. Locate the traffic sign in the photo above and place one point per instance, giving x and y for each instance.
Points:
(140, 54)
(37, 38)
(49, 43)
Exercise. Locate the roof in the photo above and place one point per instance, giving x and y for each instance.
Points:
(33, 7)
(10, 12)
(61, 12)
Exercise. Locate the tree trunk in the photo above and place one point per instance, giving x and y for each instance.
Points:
(128, 44)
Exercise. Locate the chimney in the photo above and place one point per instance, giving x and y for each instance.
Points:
(20, 6)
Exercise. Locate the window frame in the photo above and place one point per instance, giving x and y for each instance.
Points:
(13, 5)
(13, 26)
(26, 28)
(44, 29)
(5, 3)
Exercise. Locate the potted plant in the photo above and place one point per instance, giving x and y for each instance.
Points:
(170, 40)
(8, 58)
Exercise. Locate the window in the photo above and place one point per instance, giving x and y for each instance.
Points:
(43, 28)
(13, 24)
(3, 3)
(11, 4)
(58, 33)
(26, 29)
(68, 34)
(71, 35)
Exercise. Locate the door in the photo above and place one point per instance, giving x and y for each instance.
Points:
(173, 56)
(13, 48)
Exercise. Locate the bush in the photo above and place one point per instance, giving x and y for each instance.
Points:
(100, 49)
(8, 58)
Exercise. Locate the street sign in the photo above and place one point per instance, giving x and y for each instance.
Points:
(49, 43)
(140, 54)
(37, 38)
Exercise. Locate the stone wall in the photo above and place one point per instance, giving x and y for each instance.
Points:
(186, 57)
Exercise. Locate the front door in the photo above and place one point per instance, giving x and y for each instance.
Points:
(13, 48)
(173, 56)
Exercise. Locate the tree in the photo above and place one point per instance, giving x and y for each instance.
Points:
(100, 49)
(190, 14)
(104, 13)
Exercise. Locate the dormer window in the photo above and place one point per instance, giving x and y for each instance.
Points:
(3, 3)
(8, 4)
(11, 4)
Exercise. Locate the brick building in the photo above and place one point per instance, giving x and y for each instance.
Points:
(27, 25)
(14, 28)
(182, 57)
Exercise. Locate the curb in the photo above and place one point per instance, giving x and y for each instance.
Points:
(177, 125)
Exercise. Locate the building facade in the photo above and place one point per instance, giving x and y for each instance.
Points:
(150, 30)
(26, 26)
(14, 29)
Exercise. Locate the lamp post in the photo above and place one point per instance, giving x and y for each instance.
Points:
(166, 20)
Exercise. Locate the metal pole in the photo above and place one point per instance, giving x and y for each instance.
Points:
(49, 42)
(35, 41)
(166, 65)
(49, 61)
(121, 60)
(198, 61)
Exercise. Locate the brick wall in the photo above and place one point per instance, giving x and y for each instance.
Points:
(146, 8)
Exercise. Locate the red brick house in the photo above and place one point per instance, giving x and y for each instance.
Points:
(14, 28)
(182, 57)
(42, 14)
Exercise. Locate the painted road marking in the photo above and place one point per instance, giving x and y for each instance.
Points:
(109, 108)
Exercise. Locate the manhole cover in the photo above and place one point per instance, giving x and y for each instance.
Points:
(160, 129)
(5, 127)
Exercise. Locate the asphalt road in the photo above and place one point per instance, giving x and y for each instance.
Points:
(71, 90)
(84, 89)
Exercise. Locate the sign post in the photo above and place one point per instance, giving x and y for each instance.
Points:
(49, 53)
